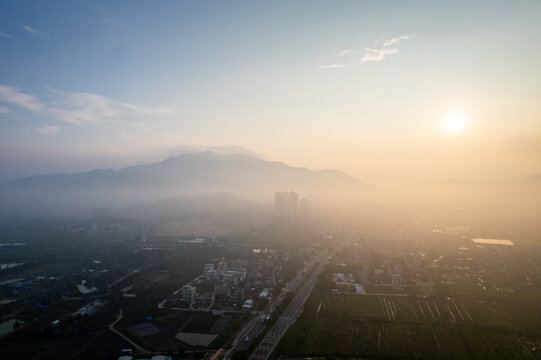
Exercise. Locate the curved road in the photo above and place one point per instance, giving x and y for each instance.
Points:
(112, 328)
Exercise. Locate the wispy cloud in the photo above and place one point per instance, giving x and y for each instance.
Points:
(346, 52)
(86, 109)
(78, 108)
(13, 96)
(332, 66)
(376, 54)
(145, 110)
(33, 31)
(386, 47)
(4, 110)
(396, 40)
(5, 35)
(48, 130)
(381, 48)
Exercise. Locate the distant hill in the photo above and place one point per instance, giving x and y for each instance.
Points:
(514, 198)
(530, 179)
(186, 175)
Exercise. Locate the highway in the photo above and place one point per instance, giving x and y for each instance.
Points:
(288, 317)
(255, 327)
(266, 347)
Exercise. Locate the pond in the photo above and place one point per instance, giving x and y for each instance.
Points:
(84, 290)
(493, 241)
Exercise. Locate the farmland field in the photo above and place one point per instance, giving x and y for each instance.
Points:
(413, 327)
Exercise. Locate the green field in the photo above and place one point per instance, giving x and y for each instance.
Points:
(409, 327)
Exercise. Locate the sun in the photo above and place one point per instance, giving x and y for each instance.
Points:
(455, 121)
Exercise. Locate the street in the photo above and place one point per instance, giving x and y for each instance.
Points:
(266, 347)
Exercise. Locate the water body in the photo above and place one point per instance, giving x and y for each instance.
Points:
(493, 241)
(8, 326)
(84, 290)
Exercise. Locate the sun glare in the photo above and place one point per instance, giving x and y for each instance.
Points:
(455, 122)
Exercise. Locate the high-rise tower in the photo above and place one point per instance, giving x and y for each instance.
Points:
(286, 205)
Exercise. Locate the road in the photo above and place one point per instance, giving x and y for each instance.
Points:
(288, 317)
(266, 347)
(117, 281)
(112, 328)
(121, 315)
(256, 326)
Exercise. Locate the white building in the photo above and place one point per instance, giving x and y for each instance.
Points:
(209, 272)
(233, 276)
(207, 268)
(188, 293)
(248, 304)
(221, 267)
(264, 294)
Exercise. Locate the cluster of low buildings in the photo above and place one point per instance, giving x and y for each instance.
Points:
(90, 308)
(441, 258)
(14, 287)
(87, 310)
(100, 225)
(234, 285)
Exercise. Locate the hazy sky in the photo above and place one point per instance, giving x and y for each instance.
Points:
(364, 86)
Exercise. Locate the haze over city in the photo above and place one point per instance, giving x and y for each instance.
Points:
(270, 180)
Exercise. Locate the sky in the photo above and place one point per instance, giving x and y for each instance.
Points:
(390, 92)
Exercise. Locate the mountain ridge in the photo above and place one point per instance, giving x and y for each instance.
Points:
(174, 158)
(184, 175)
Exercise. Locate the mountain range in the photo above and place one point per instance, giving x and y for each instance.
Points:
(186, 175)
